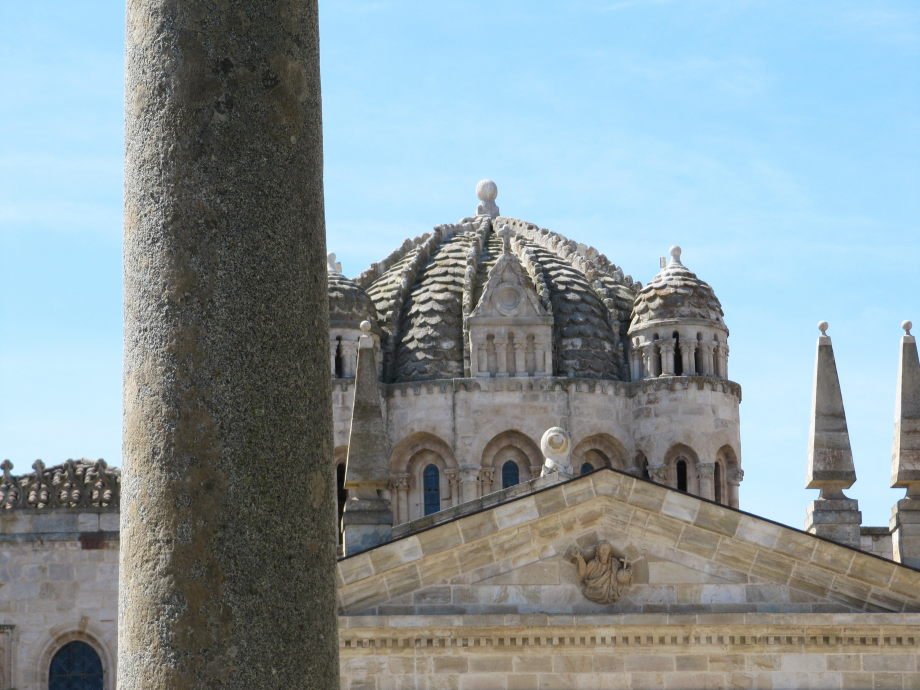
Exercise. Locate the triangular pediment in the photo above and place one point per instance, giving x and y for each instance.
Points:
(509, 295)
(684, 554)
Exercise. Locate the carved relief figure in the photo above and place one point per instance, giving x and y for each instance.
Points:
(604, 577)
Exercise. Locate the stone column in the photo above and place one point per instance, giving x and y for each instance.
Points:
(722, 361)
(653, 368)
(486, 475)
(453, 481)
(520, 367)
(400, 484)
(226, 576)
(706, 357)
(688, 358)
(350, 358)
(636, 362)
(501, 357)
(733, 480)
(469, 484)
(707, 485)
(667, 357)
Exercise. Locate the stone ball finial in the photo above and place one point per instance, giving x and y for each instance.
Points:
(365, 327)
(675, 254)
(823, 326)
(907, 325)
(486, 190)
(555, 443)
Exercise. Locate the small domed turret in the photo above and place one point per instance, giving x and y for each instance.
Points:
(677, 326)
(349, 306)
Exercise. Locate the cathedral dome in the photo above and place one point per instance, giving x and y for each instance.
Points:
(675, 295)
(426, 291)
(349, 304)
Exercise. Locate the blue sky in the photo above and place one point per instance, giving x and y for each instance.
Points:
(776, 141)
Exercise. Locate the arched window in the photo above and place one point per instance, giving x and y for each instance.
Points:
(587, 468)
(431, 488)
(678, 359)
(339, 358)
(681, 467)
(717, 480)
(511, 474)
(341, 495)
(75, 666)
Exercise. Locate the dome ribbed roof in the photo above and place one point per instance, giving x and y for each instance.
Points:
(349, 304)
(676, 293)
(424, 292)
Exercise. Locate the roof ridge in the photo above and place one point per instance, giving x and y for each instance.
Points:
(473, 257)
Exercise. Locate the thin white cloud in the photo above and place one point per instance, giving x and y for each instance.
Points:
(894, 26)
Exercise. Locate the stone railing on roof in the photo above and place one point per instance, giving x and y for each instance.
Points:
(368, 276)
(585, 258)
(72, 484)
(478, 240)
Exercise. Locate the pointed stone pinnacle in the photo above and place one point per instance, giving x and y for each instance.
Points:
(830, 458)
(905, 452)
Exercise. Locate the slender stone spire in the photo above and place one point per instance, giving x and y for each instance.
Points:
(226, 576)
(368, 518)
(830, 459)
(905, 454)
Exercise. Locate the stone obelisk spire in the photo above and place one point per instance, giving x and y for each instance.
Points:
(227, 542)
(905, 454)
(830, 459)
(368, 518)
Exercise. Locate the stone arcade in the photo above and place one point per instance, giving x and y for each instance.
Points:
(539, 464)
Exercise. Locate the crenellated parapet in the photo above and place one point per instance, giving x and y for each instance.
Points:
(72, 484)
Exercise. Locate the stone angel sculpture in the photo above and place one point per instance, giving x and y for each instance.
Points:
(604, 576)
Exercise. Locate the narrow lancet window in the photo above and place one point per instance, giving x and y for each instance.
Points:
(339, 359)
(511, 474)
(681, 468)
(431, 489)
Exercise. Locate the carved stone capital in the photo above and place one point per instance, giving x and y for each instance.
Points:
(658, 473)
(706, 470)
(735, 475)
(399, 481)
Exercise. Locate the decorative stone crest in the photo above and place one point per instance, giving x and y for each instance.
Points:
(604, 576)
(73, 484)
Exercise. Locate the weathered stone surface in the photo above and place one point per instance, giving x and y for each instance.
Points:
(830, 459)
(227, 572)
(905, 454)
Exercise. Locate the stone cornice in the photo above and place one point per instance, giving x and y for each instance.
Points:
(780, 632)
(625, 389)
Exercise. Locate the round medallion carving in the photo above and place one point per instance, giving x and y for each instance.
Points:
(507, 299)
